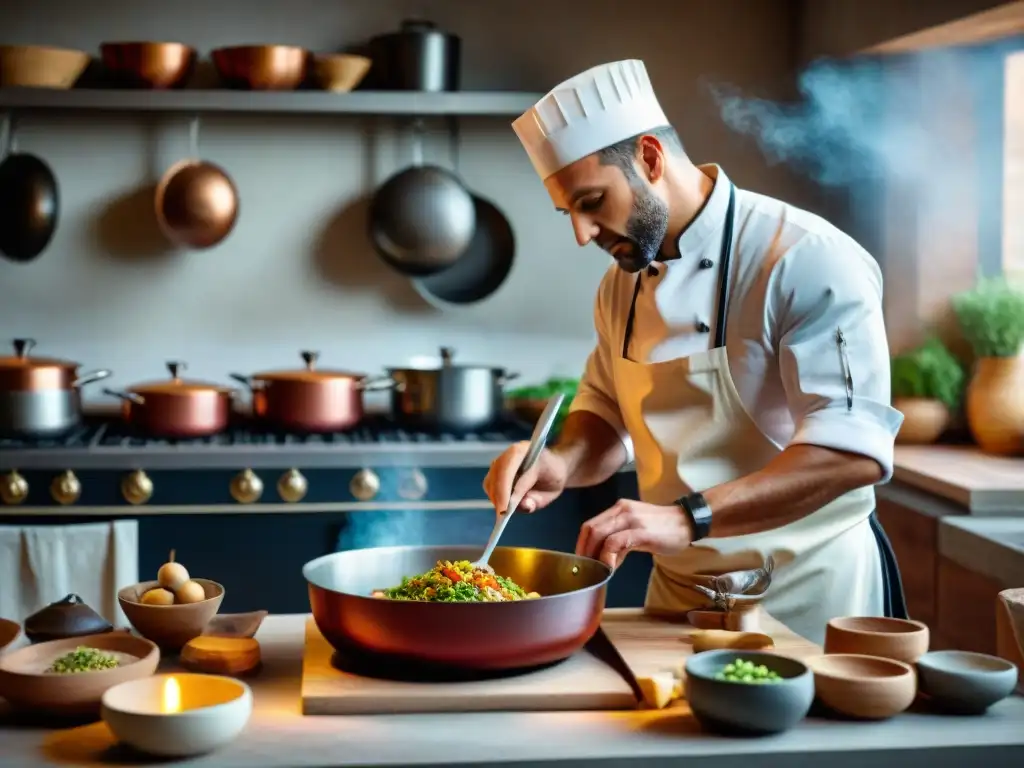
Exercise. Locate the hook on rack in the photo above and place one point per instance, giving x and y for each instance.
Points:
(193, 137)
(8, 134)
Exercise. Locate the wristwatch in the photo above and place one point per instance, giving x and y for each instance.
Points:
(696, 508)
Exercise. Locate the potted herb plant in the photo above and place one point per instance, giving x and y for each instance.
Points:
(991, 316)
(927, 387)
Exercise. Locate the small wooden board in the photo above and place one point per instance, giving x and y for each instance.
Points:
(582, 682)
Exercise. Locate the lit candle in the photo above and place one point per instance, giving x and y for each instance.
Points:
(172, 696)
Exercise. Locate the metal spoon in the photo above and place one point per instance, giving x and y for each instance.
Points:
(537, 442)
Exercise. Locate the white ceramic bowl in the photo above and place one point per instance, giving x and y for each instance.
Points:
(178, 715)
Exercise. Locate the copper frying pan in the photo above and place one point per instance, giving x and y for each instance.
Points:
(457, 636)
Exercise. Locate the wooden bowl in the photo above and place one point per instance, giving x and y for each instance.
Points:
(341, 72)
(178, 715)
(26, 685)
(262, 67)
(9, 631)
(863, 687)
(170, 626)
(149, 65)
(898, 639)
(36, 66)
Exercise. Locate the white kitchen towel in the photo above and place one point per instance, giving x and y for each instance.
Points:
(40, 564)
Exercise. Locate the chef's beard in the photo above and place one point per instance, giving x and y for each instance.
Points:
(645, 231)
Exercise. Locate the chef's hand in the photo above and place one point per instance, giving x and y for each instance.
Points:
(633, 525)
(537, 488)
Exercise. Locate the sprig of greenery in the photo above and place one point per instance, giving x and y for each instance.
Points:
(991, 316)
(930, 371)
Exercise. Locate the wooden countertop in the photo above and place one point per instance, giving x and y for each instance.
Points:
(984, 484)
(279, 735)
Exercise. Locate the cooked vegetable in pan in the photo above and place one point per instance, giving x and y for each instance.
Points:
(458, 582)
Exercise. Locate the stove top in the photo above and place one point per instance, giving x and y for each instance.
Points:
(101, 439)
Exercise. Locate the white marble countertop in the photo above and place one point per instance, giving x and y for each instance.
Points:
(279, 735)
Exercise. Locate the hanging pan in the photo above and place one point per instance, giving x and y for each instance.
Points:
(196, 201)
(482, 269)
(422, 219)
(29, 201)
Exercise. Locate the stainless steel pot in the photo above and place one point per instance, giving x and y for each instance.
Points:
(418, 57)
(457, 398)
(40, 397)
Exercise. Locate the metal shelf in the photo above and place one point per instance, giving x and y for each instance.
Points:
(468, 103)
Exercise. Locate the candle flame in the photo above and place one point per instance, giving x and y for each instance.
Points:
(172, 696)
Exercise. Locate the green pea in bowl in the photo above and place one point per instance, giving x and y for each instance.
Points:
(748, 692)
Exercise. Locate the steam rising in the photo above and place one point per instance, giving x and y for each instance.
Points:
(858, 119)
(391, 528)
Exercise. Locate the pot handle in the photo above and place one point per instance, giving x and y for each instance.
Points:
(378, 383)
(91, 377)
(242, 379)
(128, 397)
(505, 378)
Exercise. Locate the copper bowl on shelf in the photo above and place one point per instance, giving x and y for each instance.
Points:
(148, 65)
(262, 67)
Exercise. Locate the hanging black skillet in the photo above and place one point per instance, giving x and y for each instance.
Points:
(29, 206)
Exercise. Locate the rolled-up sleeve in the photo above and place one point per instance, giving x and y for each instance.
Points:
(818, 290)
(596, 392)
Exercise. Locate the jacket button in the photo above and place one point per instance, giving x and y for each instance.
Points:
(706, 263)
(702, 327)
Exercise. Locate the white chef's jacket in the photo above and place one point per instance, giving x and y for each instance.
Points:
(796, 279)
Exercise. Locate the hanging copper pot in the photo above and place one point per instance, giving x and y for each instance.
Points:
(196, 204)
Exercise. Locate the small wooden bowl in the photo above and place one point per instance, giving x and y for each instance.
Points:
(36, 66)
(341, 72)
(897, 639)
(262, 67)
(148, 65)
(25, 683)
(863, 687)
(178, 715)
(170, 626)
(9, 631)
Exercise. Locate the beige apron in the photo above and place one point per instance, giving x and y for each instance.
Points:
(690, 432)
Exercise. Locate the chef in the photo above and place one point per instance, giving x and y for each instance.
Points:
(741, 362)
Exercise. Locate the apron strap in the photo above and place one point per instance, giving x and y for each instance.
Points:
(725, 260)
(894, 600)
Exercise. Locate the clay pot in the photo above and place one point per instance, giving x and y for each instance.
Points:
(995, 405)
(924, 420)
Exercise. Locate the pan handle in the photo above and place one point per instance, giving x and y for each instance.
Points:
(128, 397)
(91, 377)
(378, 383)
(242, 379)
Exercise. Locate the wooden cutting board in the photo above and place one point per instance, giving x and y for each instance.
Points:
(649, 644)
(582, 682)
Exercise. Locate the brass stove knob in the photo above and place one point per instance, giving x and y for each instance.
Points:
(365, 484)
(137, 488)
(246, 487)
(412, 486)
(292, 486)
(13, 488)
(66, 488)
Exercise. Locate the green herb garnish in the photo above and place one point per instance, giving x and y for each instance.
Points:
(991, 316)
(83, 659)
(930, 371)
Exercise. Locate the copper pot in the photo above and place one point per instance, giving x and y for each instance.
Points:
(196, 204)
(177, 408)
(309, 399)
(262, 67)
(149, 65)
(40, 396)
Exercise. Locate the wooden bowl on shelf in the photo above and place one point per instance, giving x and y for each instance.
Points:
(148, 65)
(341, 72)
(37, 66)
(262, 67)
(26, 684)
(170, 626)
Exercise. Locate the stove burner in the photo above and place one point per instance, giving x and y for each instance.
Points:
(366, 664)
(113, 433)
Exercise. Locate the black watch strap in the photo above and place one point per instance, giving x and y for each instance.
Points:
(696, 508)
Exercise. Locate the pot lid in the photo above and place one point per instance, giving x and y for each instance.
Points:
(444, 361)
(177, 385)
(65, 618)
(310, 373)
(22, 359)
